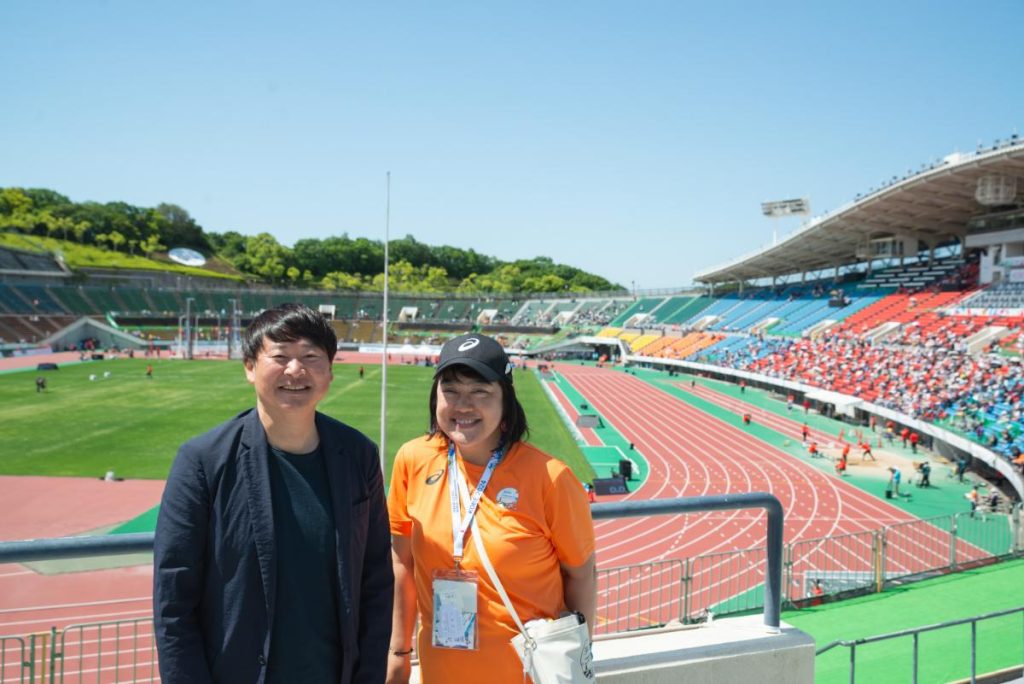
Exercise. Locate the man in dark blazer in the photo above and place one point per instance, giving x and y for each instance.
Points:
(272, 556)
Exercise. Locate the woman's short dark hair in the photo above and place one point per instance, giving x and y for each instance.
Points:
(513, 418)
(288, 323)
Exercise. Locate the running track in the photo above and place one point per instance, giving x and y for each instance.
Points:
(689, 453)
(693, 454)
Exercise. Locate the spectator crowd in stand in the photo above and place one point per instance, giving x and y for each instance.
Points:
(979, 395)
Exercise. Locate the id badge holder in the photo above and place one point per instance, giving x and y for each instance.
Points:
(455, 610)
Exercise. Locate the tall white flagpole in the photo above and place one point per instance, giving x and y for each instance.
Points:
(384, 347)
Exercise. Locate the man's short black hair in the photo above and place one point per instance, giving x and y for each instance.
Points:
(513, 418)
(289, 323)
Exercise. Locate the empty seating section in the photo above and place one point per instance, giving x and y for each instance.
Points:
(638, 343)
(609, 332)
(220, 301)
(73, 300)
(719, 308)
(40, 299)
(396, 304)
(914, 276)
(17, 260)
(133, 299)
(365, 331)
(1003, 295)
(165, 301)
(815, 313)
(38, 262)
(687, 345)
(653, 346)
(447, 311)
(628, 337)
(690, 309)
(748, 314)
(748, 311)
(670, 307)
(9, 261)
(645, 305)
(103, 298)
(344, 306)
(31, 329)
(11, 302)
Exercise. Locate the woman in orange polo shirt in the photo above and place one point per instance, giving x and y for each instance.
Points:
(532, 514)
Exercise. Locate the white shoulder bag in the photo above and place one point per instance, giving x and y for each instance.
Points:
(552, 651)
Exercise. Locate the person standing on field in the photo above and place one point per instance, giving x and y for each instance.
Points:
(532, 515)
(272, 558)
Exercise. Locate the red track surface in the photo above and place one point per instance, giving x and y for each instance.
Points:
(689, 453)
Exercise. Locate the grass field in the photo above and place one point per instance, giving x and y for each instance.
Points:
(134, 426)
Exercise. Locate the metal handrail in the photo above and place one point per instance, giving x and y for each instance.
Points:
(917, 630)
(74, 547)
(852, 644)
(773, 576)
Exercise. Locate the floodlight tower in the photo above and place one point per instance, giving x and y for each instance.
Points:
(776, 210)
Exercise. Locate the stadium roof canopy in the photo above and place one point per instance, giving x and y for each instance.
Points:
(932, 206)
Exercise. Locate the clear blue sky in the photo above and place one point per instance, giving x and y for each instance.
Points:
(632, 139)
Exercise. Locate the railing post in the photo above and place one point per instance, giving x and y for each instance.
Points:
(687, 588)
(787, 574)
(53, 654)
(916, 639)
(974, 651)
(1017, 542)
(879, 560)
(30, 664)
(952, 541)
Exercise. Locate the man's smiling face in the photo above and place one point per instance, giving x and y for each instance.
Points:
(290, 376)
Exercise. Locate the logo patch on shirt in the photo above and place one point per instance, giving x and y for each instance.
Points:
(432, 478)
(508, 498)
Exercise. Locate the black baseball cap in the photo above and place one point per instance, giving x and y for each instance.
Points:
(483, 354)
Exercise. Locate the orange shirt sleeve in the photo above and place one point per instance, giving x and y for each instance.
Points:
(568, 517)
(398, 496)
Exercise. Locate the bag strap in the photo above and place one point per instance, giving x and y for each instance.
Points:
(486, 561)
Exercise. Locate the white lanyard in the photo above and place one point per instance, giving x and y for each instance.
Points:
(460, 524)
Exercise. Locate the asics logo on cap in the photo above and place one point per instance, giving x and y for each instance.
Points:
(469, 344)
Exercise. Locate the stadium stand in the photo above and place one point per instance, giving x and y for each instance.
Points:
(22, 263)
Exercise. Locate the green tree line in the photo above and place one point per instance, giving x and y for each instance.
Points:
(334, 263)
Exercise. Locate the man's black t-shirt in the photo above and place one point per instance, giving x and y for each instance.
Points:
(305, 643)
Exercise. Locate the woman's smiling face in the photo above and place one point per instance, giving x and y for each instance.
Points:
(469, 412)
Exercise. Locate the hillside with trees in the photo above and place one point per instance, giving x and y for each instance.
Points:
(333, 263)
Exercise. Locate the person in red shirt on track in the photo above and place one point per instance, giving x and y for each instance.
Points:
(866, 452)
(841, 464)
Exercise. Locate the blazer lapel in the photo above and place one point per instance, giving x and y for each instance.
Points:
(254, 457)
(339, 480)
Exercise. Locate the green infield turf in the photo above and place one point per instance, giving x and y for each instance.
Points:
(944, 655)
(133, 426)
